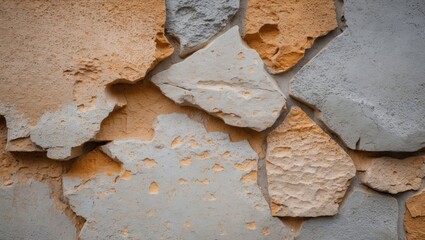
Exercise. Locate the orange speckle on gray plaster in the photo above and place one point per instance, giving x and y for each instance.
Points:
(217, 168)
(185, 162)
(251, 225)
(203, 155)
(153, 188)
(127, 175)
(246, 165)
(249, 177)
(150, 213)
(149, 163)
(176, 142)
(206, 181)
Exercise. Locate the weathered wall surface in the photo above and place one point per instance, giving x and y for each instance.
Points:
(271, 120)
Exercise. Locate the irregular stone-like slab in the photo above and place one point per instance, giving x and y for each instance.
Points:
(61, 131)
(194, 23)
(368, 83)
(414, 217)
(362, 216)
(282, 31)
(28, 212)
(227, 80)
(394, 175)
(57, 58)
(145, 103)
(193, 173)
(307, 172)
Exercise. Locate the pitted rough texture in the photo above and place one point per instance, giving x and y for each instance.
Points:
(307, 172)
(28, 212)
(369, 82)
(184, 184)
(59, 56)
(394, 175)
(363, 216)
(414, 217)
(195, 22)
(281, 31)
(227, 80)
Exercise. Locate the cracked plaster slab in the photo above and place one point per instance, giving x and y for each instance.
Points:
(228, 80)
(184, 184)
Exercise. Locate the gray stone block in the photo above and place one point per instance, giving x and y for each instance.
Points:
(363, 216)
(228, 80)
(369, 83)
(195, 22)
(28, 212)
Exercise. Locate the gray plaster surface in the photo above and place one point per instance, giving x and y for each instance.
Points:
(369, 82)
(364, 215)
(185, 184)
(62, 132)
(28, 212)
(195, 22)
(228, 80)
(17, 125)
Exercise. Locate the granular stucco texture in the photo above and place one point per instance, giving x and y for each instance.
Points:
(394, 175)
(194, 22)
(145, 103)
(185, 183)
(368, 83)
(226, 79)
(414, 217)
(58, 57)
(307, 172)
(28, 212)
(282, 31)
(364, 215)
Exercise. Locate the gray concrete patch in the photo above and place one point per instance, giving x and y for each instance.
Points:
(364, 215)
(369, 82)
(28, 212)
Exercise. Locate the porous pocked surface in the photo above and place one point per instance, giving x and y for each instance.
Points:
(281, 31)
(393, 175)
(307, 172)
(195, 22)
(414, 217)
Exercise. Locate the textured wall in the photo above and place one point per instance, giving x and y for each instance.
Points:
(224, 119)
